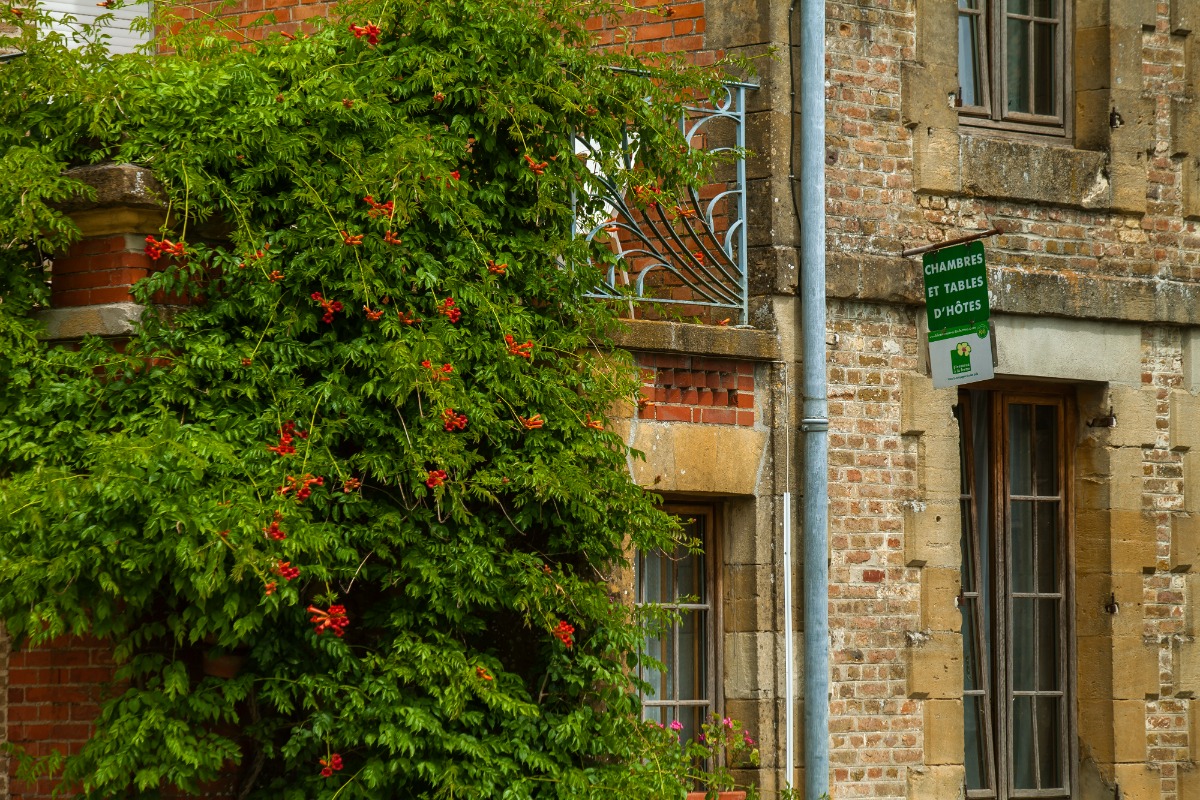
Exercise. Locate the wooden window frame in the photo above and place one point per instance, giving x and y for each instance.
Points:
(992, 113)
(713, 517)
(997, 729)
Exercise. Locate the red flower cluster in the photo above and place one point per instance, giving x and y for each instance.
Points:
(564, 632)
(391, 238)
(594, 424)
(480, 672)
(435, 478)
(647, 194)
(536, 167)
(438, 97)
(269, 589)
(286, 437)
(156, 249)
(302, 487)
(334, 619)
(530, 423)
(330, 306)
(275, 275)
(347, 102)
(330, 765)
(372, 315)
(497, 269)
(285, 569)
(370, 31)
(350, 239)
(447, 309)
(453, 421)
(522, 350)
(350, 484)
(406, 318)
(441, 373)
(378, 209)
(273, 530)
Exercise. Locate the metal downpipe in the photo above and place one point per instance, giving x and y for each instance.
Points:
(814, 426)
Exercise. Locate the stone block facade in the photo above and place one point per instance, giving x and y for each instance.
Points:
(1096, 301)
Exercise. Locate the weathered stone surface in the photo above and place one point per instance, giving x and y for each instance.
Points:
(1021, 170)
(126, 185)
(935, 665)
(702, 340)
(924, 408)
(1134, 541)
(1138, 782)
(1135, 669)
(932, 534)
(940, 587)
(1136, 408)
(943, 726)
(112, 319)
(706, 459)
(941, 782)
(1185, 542)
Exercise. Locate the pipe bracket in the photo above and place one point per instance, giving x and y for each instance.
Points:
(814, 424)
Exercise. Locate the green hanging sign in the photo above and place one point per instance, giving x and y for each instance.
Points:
(956, 291)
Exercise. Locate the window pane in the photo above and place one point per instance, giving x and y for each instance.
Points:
(651, 577)
(1047, 646)
(653, 648)
(1020, 431)
(970, 58)
(966, 545)
(970, 660)
(1046, 449)
(1044, 95)
(1047, 547)
(1022, 643)
(1017, 64)
(1021, 546)
(691, 656)
(973, 730)
(1018, 6)
(1023, 769)
(1049, 722)
(1043, 8)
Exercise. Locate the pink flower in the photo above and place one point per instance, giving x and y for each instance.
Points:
(728, 723)
(676, 725)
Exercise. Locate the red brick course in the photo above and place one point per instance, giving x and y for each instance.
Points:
(713, 391)
(54, 694)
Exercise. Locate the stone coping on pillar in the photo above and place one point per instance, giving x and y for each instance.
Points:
(691, 339)
(108, 319)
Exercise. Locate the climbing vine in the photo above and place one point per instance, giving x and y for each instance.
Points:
(357, 441)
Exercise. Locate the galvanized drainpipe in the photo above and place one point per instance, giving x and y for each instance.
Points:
(814, 426)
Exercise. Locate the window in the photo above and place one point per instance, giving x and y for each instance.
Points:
(1016, 596)
(1013, 64)
(683, 582)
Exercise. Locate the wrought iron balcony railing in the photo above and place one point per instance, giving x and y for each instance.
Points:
(692, 255)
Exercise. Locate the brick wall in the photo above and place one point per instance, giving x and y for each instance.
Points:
(681, 388)
(53, 695)
(876, 727)
(654, 26)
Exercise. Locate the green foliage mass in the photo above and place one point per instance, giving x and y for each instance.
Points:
(138, 483)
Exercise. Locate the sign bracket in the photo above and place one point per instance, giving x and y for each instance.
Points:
(929, 248)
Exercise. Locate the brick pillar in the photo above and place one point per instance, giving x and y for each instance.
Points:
(52, 692)
(90, 284)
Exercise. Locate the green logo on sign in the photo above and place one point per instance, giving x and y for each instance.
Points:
(960, 359)
(956, 287)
